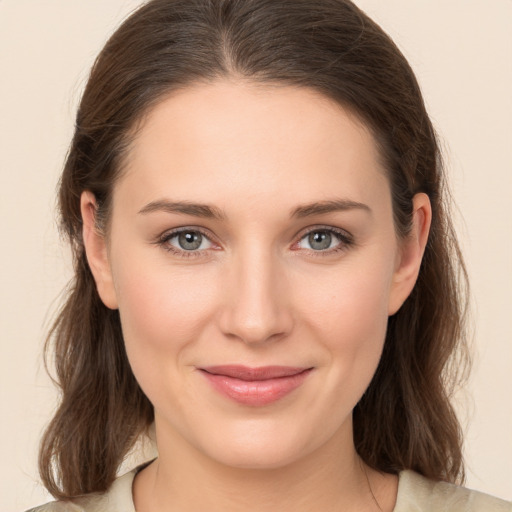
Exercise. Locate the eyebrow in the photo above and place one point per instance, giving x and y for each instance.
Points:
(328, 206)
(197, 210)
(212, 212)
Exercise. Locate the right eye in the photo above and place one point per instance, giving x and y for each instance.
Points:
(185, 242)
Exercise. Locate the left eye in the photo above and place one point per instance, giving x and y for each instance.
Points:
(320, 240)
(189, 240)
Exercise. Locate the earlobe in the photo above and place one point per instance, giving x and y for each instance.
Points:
(96, 251)
(411, 253)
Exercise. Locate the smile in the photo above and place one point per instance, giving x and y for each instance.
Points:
(255, 386)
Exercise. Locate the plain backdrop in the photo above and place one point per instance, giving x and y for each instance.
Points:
(461, 51)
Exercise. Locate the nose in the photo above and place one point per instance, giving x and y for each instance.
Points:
(256, 307)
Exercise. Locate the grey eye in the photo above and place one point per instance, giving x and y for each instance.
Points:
(320, 240)
(190, 240)
(186, 242)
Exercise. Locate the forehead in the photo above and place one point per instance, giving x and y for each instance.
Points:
(230, 139)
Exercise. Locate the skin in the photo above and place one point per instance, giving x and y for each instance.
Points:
(256, 292)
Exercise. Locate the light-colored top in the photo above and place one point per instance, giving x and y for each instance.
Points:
(415, 494)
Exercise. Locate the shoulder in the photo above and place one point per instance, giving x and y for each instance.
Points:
(117, 499)
(419, 494)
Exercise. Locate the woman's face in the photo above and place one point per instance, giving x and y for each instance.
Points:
(252, 228)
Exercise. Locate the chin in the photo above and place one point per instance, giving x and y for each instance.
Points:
(263, 446)
(255, 458)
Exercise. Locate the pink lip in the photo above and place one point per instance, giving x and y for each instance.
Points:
(255, 386)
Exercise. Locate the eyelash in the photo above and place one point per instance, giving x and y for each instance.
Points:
(163, 242)
(346, 241)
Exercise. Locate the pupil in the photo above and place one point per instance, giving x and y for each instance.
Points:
(190, 240)
(320, 240)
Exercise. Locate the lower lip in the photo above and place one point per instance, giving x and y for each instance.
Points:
(256, 392)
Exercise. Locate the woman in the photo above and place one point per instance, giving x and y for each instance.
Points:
(265, 271)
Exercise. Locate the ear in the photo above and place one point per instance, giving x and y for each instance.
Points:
(96, 250)
(411, 253)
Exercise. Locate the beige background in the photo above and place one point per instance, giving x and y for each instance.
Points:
(462, 53)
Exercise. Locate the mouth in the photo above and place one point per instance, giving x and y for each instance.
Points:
(255, 386)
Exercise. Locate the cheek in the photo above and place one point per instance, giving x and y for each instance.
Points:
(348, 315)
(349, 301)
(162, 314)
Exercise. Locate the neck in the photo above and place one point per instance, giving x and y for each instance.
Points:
(183, 479)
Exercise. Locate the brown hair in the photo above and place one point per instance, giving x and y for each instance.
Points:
(404, 420)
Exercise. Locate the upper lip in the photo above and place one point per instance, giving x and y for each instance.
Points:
(251, 374)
